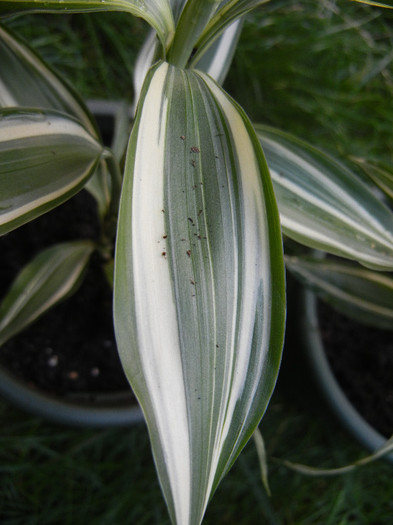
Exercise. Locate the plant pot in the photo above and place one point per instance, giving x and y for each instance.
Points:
(65, 367)
(91, 393)
(327, 381)
(104, 411)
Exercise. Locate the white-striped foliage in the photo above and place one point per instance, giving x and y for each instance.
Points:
(45, 158)
(199, 287)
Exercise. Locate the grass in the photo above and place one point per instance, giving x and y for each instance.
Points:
(52, 474)
(321, 70)
(95, 52)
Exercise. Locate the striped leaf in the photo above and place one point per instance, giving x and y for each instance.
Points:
(21, 67)
(25, 80)
(157, 13)
(99, 187)
(49, 278)
(381, 174)
(227, 13)
(323, 205)
(359, 293)
(376, 3)
(177, 7)
(199, 288)
(192, 21)
(218, 58)
(45, 158)
(215, 62)
(143, 63)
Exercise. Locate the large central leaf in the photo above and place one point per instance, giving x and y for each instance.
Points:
(199, 285)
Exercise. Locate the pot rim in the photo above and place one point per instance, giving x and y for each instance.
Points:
(354, 422)
(109, 410)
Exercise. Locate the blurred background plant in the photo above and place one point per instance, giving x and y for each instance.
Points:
(320, 70)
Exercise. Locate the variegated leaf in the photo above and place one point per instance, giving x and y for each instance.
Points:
(218, 58)
(375, 3)
(45, 158)
(99, 187)
(199, 286)
(227, 13)
(143, 63)
(177, 6)
(215, 62)
(21, 67)
(25, 80)
(158, 13)
(323, 205)
(362, 294)
(381, 174)
(49, 278)
(192, 22)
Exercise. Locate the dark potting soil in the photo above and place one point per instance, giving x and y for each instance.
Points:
(361, 358)
(70, 350)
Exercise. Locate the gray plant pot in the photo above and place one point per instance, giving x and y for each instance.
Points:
(336, 398)
(105, 411)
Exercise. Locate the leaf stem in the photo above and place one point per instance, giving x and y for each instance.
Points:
(192, 22)
(110, 220)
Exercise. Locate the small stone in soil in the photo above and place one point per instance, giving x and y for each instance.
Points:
(95, 372)
(53, 361)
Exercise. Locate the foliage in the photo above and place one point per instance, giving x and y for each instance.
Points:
(199, 300)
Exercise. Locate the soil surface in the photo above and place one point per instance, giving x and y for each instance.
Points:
(361, 358)
(71, 349)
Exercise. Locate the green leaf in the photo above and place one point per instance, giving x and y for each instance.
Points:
(382, 174)
(49, 278)
(193, 20)
(25, 80)
(218, 58)
(121, 130)
(215, 62)
(157, 13)
(377, 4)
(143, 63)
(199, 296)
(359, 293)
(261, 452)
(21, 68)
(45, 158)
(306, 470)
(99, 186)
(223, 17)
(177, 7)
(323, 205)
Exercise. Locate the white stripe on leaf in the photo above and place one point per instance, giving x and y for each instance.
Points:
(198, 325)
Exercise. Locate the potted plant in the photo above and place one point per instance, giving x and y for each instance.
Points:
(65, 367)
(348, 342)
(199, 288)
(357, 291)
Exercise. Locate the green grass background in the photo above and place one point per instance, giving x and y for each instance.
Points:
(322, 70)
